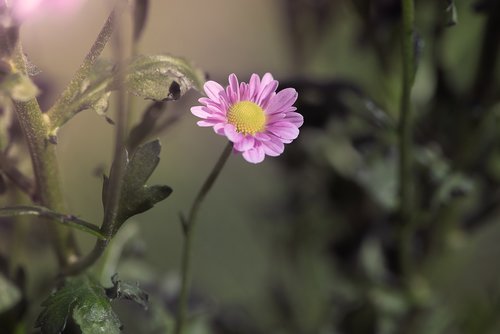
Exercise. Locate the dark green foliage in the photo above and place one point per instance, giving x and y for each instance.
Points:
(137, 197)
(9, 294)
(64, 219)
(123, 290)
(451, 13)
(94, 91)
(85, 301)
(157, 78)
(13, 298)
(162, 77)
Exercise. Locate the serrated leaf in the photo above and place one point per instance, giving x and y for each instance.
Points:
(158, 78)
(123, 290)
(97, 318)
(9, 294)
(40, 211)
(137, 197)
(83, 299)
(162, 77)
(19, 87)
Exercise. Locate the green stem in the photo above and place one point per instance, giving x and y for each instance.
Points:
(188, 228)
(484, 81)
(108, 227)
(405, 134)
(45, 167)
(9, 169)
(120, 153)
(58, 114)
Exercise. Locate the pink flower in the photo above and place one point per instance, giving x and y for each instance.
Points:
(253, 116)
(24, 9)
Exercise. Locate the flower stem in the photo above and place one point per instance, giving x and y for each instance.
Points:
(108, 227)
(405, 134)
(58, 112)
(188, 229)
(45, 166)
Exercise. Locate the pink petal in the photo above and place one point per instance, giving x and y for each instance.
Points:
(224, 100)
(214, 110)
(275, 118)
(265, 101)
(219, 128)
(244, 93)
(284, 130)
(199, 112)
(212, 89)
(234, 87)
(232, 134)
(273, 147)
(282, 101)
(267, 78)
(27, 9)
(245, 144)
(253, 85)
(254, 155)
(294, 118)
(209, 102)
(208, 122)
(262, 136)
(266, 92)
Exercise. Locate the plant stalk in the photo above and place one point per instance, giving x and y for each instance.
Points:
(45, 167)
(58, 112)
(108, 227)
(406, 185)
(188, 229)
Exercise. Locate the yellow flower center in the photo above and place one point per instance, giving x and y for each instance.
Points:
(247, 117)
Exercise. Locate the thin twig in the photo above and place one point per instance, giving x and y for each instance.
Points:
(188, 229)
(45, 166)
(108, 227)
(406, 133)
(58, 112)
(24, 183)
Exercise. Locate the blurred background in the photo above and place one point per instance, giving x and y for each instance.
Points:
(308, 242)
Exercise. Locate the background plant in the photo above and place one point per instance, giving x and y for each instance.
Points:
(332, 229)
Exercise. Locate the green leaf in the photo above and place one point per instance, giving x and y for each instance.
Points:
(162, 77)
(94, 92)
(9, 294)
(43, 212)
(451, 13)
(19, 87)
(137, 197)
(158, 78)
(123, 290)
(83, 299)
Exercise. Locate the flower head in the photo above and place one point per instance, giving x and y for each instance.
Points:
(257, 119)
(24, 9)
